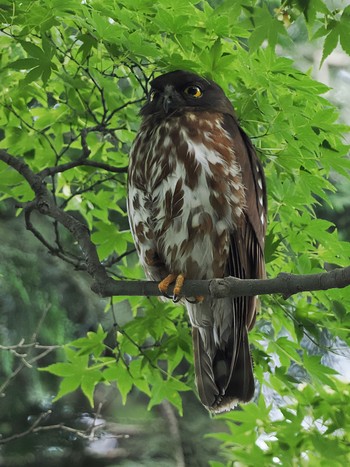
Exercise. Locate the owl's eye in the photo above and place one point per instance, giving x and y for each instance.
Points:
(153, 95)
(194, 91)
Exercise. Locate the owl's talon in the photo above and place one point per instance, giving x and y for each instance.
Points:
(170, 278)
(178, 287)
(164, 284)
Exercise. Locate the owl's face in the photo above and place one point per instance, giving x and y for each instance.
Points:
(178, 90)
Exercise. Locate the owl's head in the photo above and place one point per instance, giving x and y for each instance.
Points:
(179, 90)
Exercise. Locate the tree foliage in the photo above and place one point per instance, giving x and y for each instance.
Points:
(74, 75)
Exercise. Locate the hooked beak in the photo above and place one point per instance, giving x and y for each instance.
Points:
(168, 98)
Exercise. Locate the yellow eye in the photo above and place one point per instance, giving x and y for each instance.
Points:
(194, 91)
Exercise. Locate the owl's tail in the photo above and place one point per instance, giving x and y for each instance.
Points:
(224, 371)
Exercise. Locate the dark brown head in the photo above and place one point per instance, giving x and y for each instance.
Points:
(178, 90)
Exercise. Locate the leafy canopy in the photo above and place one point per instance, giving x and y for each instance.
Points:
(73, 76)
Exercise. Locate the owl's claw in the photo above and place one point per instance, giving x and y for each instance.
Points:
(178, 287)
(197, 299)
(164, 285)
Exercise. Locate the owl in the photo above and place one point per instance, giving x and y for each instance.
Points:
(197, 210)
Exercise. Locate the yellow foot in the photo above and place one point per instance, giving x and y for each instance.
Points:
(178, 287)
(164, 285)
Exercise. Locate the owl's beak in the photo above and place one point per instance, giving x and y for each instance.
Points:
(168, 98)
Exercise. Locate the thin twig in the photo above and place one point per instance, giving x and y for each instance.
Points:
(25, 361)
(31, 429)
(86, 189)
(79, 163)
(88, 434)
(78, 263)
(118, 109)
(113, 259)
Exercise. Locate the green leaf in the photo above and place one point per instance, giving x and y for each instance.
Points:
(330, 43)
(33, 75)
(88, 384)
(318, 372)
(93, 343)
(286, 349)
(344, 27)
(24, 64)
(60, 369)
(67, 385)
(121, 375)
(169, 390)
(33, 50)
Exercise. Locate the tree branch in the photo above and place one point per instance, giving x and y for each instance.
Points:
(78, 163)
(88, 434)
(45, 204)
(285, 284)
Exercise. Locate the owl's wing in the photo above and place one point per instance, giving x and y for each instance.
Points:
(246, 261)
(224, 371)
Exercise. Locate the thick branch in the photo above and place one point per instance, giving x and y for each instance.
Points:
(18, 164)
(45, 204)
(284, 284)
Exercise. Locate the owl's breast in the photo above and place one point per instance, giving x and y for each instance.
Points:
(185, 193)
